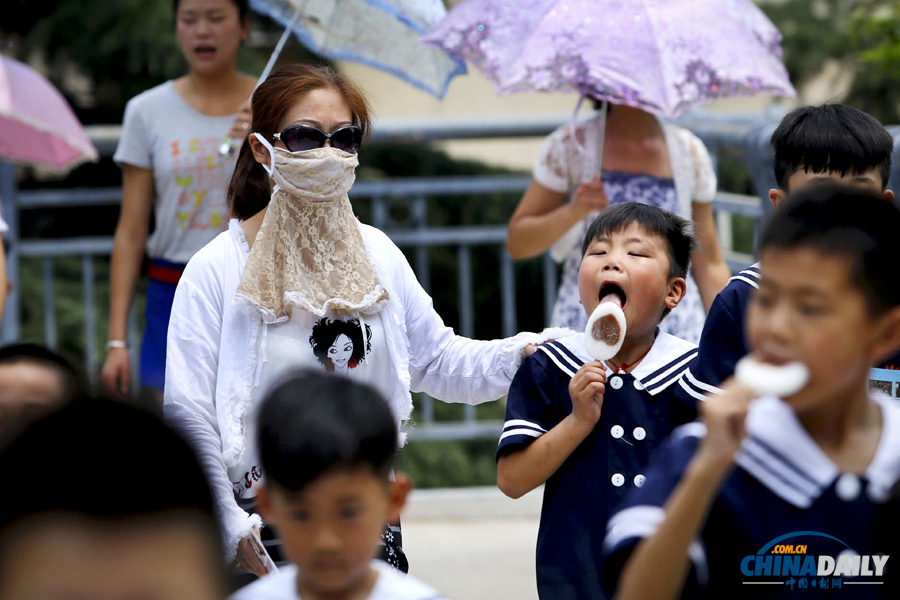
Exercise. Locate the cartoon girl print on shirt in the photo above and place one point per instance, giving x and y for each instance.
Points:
(339, 344)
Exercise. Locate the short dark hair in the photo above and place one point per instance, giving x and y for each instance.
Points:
(106, 461)
(312, 423)
(837, 221)
(831, 137)
(75, 383)
(677, 232)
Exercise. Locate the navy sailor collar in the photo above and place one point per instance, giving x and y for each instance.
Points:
(750, 276)
(667, 360)
(779, 453)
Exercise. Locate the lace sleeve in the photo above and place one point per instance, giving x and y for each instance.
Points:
(705, 182)
(552, 167)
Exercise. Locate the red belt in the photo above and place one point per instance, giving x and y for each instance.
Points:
(164, 274)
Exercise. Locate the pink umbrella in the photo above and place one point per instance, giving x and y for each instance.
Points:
(37, 126)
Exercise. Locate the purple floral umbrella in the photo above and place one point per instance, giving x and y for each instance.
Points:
(663, 56)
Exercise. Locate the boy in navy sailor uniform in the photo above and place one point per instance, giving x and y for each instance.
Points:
(587, 428)
(772, 495)
(813, 144)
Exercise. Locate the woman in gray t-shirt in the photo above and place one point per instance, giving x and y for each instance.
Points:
(171, 166)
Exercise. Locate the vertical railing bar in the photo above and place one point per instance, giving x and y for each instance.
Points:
(466, 309)
(10, 323)
(420, 218)
(427, 409)
(550, 287)
(378, 212)
(134, 342)
(466, 306)
(50, 335)
(507, 294)
(90, 315)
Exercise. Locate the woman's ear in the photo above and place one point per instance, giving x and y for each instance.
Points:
(677, 289)
(245, 28)
(260, 152)
(397, 493)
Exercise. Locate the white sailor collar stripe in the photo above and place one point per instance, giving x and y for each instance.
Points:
(780, 454)
(667, 360)
(750, 276)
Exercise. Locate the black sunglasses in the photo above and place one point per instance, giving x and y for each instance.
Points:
(303, 137)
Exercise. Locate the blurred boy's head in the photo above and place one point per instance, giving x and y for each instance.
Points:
(829, 294)
(327, 445)
(831, 143)
(639, 254)
(33, 381)
(109, 504)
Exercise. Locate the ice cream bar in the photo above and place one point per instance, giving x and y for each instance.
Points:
(768, 379)
(605, 331)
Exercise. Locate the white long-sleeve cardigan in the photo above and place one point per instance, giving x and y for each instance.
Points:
(212, 358)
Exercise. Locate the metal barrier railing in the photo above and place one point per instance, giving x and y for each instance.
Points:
(411, 231)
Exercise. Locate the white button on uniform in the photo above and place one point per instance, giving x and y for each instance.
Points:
(639, 433)
(638, 385)
(617, 431)
(639, 480)
(615, 382)
(877, 493)
(848, 487)
(618, 480)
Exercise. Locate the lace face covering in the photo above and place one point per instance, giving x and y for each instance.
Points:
(309, 251)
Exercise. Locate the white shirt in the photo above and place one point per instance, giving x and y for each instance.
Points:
(326, 344)
(390, 585)
(212, 362)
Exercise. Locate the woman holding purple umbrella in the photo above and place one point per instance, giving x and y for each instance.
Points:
(643, 160)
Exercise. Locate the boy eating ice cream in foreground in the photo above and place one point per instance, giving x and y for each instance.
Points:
(587, 427)
(789, 491)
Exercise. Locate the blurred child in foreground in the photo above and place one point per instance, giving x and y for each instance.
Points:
(327, 445)
(34, 380)
(814, 467)
(108, 504)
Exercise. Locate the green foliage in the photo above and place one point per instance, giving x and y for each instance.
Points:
(124, 46)
(69, 305)
(864, 35)
(449, 464)
(121, 47)
(876, 30)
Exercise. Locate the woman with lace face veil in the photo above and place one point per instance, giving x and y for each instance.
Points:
(262, 297)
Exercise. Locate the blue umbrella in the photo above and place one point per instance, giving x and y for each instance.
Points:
(379, 33)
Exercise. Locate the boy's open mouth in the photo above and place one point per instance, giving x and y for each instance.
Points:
(611, 292)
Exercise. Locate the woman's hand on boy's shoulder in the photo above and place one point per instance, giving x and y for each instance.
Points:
(725, 416)
(586, 390)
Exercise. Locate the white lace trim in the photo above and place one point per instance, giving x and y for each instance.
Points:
(371, 304)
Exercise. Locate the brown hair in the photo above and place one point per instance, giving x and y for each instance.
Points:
(249, 191)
